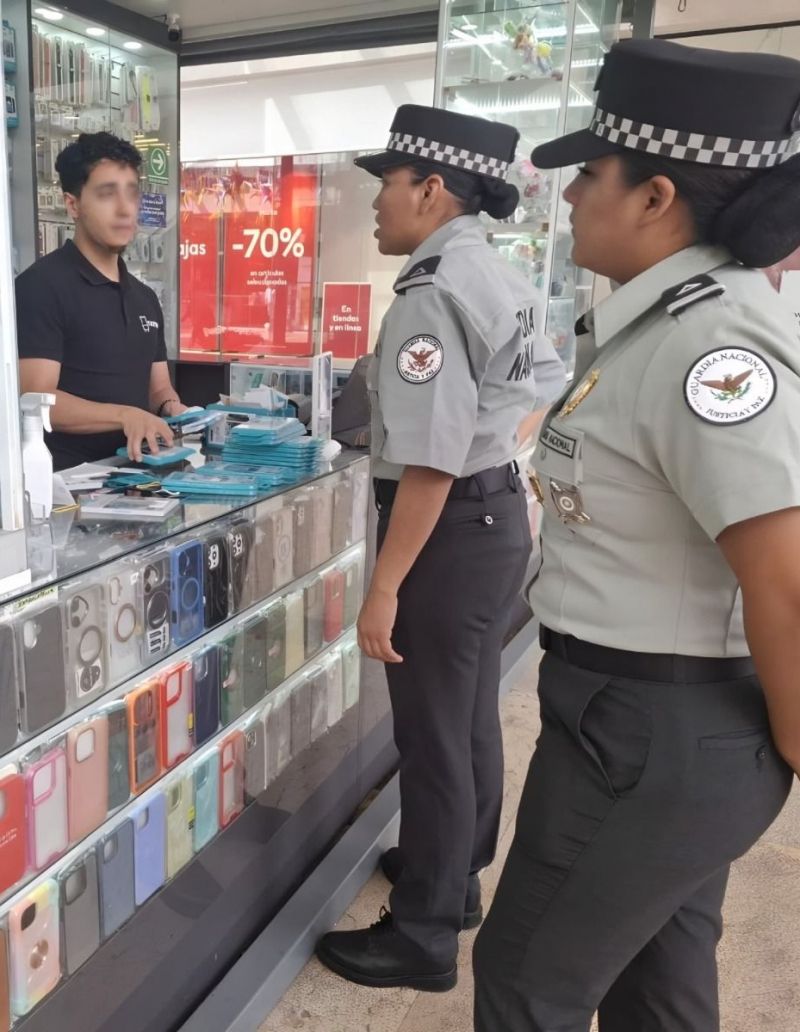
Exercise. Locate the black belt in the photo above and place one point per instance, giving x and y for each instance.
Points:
(644, 666)
(479, 485)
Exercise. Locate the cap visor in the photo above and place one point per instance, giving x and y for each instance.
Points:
(375, 164)
(572, 150)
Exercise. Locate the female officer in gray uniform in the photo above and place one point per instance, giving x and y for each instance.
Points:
(460, 360)
(670, 477)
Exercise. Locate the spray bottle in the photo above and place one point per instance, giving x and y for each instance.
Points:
(37, 462)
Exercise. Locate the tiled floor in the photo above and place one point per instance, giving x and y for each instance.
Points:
(759, 957)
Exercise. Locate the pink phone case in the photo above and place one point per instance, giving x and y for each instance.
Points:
(34, 947)
(231, 779)
(87, 773)
(48, 830)
(177, 713)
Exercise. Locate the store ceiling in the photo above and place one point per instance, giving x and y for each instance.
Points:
(201, 19)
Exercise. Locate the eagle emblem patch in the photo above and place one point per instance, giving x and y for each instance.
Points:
(729, 386)
(420, 359)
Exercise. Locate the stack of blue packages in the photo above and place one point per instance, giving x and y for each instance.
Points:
(225, 485)
(275, 443)
(265, 477)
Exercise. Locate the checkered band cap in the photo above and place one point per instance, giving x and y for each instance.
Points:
(446, 154)
(685, 146)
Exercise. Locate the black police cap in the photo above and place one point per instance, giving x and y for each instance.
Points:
(710, 107)
(471, 144)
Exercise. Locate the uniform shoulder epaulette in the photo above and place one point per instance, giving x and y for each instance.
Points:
(690, 291)
(421, 275)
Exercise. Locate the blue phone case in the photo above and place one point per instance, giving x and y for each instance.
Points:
(206, 694)
(115, 863)
(165, 457)
(149, 847)
(187, 592)
(206, 800)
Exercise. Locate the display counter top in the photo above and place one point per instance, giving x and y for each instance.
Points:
(68, 545)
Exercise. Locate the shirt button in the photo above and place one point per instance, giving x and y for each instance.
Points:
(488, 520)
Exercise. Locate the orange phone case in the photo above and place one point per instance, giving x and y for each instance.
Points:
(144, 746)
(87, 776)
(176, 713)
(231, 778)
(12, 828)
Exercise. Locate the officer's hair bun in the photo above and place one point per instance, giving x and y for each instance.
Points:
(762, 225)
(499, 199)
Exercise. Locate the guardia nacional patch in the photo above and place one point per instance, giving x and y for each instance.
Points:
(420, 359)
(729, 386)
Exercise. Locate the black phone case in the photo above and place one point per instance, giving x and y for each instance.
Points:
(44, 696)
(157, 605)
(255, 661)
(217, 580)
(206, 694)
(119, 780)
(240, 551)
(8, 688)
(276, 645)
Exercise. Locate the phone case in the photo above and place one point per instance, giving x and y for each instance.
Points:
(46, 792)
(149, 847)
(318, 683)
(119, 778)
(240, 549)
(361, 502)
(87, 663)
(353, 577)
(34, 946)
(283, 546)
(176, 714)
(278, 722)
(301, 716)
(80, 912)
(180, 822)
(231, 653)
(206, 800)
(295, 632)
(87, 776)
(231, 778)
(255, 756)
(5, 988)
(254, 667)
(314, 602)
(9, 674)
(276, 644)
(156, 604)
(303, 534)
(115, 863)
(41, 646)
(143, 736)
(334, 605)
(206, 694)
(264, 559)
(333, 675)
(351, 674)
(188, 603)
(323, 525)
(217, 580)
(341, 535)
(124, 622)
(12, 827)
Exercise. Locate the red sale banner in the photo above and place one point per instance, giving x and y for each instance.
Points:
(268, 268)
(199, 281)
(345, 319)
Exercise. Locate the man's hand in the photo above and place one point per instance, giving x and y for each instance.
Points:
(173, 408)
(139, 426)
(375, 625)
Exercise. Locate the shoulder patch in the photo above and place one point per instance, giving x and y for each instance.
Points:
(729, 386)
(690, 291)
(422, 274)
(420, 358)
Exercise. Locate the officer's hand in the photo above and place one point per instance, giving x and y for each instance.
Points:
(138, 426)
(375, 625)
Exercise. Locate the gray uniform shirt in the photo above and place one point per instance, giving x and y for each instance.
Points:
(685, 419)
(461, 358)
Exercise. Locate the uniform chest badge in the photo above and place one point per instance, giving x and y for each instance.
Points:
(729, 386)
(420, 359)
(536, 486)
(569, 503)
(580, 393)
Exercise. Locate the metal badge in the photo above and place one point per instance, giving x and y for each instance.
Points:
(580, 393)
(537, 487)
(568, 502)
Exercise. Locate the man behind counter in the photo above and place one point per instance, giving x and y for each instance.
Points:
(87, 330)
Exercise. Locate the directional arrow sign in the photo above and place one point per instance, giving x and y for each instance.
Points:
(158, 165)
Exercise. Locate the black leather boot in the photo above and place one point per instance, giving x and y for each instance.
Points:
(392, 865)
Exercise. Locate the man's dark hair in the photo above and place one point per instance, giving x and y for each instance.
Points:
(75, 163)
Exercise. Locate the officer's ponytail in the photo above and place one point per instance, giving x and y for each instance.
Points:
(754, 213)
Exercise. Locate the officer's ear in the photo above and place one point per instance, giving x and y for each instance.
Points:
(659, 199)
(433, 190)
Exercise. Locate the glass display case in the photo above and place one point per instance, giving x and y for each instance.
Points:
(533, 65)
(75, 74)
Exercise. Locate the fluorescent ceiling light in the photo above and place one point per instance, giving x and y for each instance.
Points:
(132, 45)
(48, 13)
(96, 31)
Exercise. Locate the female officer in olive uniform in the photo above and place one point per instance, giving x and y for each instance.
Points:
(460, 360)
(670, 477)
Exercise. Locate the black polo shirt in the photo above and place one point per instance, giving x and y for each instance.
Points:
(106, 336)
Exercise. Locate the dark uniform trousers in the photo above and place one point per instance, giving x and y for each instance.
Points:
(453, 610)
(639, 795)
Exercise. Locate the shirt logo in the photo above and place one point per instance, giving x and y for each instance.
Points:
(148, 324)
(420, 359)
(729, 386)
